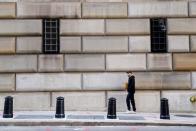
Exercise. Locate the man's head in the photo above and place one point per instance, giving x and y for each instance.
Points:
(129, 73)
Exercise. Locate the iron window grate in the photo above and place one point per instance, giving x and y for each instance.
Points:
(158, 28)
(51, 36)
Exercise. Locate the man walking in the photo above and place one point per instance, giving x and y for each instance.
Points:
(131, 92)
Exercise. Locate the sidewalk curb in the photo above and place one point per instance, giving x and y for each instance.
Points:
(64, 122)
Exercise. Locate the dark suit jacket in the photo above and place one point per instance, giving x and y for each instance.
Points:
(131, 85)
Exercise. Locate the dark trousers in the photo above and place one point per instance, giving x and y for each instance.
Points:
(130, 97)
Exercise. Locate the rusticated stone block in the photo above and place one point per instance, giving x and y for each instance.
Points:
(148, 80)
(48, 82)
(181, 26)
(50, 63)
(29, 45)
(179, 101)
(105, 44)
(184, 61)
(143, 80)
(104, 10)
(159, 61)
(70, 44)
(85, 62)
(38, 101)
(139, 44)
(193, 76)
(7, 82)
(127, 26)
(49, 9)
(158, 9)
(104, 81)
(146, 101)
(176, 80)
(20, 27)
(193, 43)
(7, 45)
(7, 10)
(81, 101)
(178, 43)
(18, 63)
(123, 62)
(48, 0)
(82, 27)
(106, 1)
(192, 8)
(163, 80)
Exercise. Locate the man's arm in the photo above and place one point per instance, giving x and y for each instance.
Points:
(133, 81)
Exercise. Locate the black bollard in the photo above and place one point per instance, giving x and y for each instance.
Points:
(164, 110)
(111, 108)
(8, 107)
(60, 107)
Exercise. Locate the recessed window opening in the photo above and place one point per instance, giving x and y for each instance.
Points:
(158, 30)
(51, 36)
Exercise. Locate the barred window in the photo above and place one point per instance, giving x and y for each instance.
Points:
(158, 29)
(51, 36)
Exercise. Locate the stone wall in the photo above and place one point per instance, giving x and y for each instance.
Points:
(99, 42)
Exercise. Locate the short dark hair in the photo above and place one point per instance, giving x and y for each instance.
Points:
(129, 72)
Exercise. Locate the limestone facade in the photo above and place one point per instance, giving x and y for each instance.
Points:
(99, 41)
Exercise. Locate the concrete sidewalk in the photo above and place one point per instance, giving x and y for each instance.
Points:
(96, 119)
